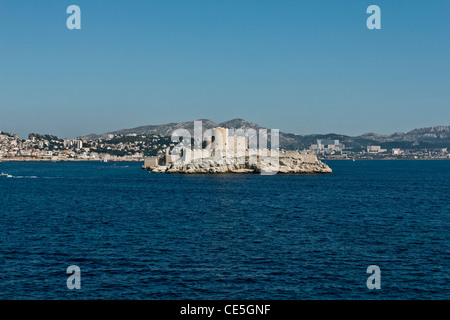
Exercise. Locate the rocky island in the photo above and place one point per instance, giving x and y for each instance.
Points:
(288, 162)
(218, 151)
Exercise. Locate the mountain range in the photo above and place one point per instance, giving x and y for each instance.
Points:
(431, 137)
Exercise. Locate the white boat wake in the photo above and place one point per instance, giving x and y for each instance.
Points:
(7, 175)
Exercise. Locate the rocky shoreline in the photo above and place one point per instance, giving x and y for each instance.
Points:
(289, 162)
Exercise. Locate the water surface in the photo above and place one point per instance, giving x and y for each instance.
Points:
(137, 235)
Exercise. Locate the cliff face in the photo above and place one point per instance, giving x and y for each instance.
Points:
(289, 162)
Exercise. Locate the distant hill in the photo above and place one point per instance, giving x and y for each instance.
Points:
(167, 129)
(431, 137)
(163, 129)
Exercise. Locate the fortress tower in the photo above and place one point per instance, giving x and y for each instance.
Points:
(219, 141)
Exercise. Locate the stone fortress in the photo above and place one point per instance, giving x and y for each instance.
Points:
(222, 150)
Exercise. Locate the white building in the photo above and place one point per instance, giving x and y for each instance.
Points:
(78, 144)
(375, 149)
(327, 147)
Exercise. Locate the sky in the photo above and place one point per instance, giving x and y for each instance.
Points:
(299, 66)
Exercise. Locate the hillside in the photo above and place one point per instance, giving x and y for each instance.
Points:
(431, 137)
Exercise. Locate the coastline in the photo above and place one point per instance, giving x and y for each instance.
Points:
(142, 160)
(383, 159)
(68, 160)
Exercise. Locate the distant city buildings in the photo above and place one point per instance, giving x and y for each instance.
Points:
(375, 149)
(334, 149)
(327, 147)
(114, 147)
(134, 147)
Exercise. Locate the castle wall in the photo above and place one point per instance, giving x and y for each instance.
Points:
(151, 162)
(219, 145)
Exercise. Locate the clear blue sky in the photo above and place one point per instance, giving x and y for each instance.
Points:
(299, 66)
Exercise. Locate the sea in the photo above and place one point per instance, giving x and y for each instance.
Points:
(146, 236)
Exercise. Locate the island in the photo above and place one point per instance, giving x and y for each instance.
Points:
(224, 153)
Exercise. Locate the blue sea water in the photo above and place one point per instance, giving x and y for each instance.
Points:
(137, 235)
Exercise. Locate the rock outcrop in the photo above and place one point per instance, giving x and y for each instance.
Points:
(289, 162)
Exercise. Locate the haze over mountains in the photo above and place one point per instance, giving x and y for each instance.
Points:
(431, 137)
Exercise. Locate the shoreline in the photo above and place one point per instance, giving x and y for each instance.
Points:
(70, 160)
(142, 160)
(384, 159)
